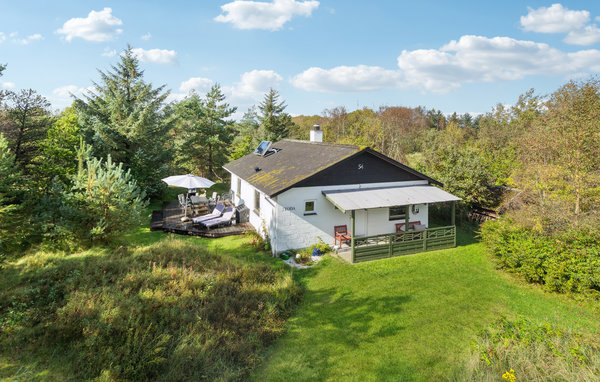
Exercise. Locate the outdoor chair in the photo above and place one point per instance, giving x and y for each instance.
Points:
(228, 215)
(401, 227)
(216, 212)
(183, 203)
(341, 234)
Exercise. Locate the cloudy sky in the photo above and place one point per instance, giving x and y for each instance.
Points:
(461, 56)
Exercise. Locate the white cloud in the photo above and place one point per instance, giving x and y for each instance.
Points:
(2, 37)
(587, 36)
(347, 79)
(554, 19)
(7, 85)
(28, 39)
(109, 52)
(67, 90)
(255, 83)
(199, 84)
(262, 15)
(158, 56)
(468, 60)
(97, 26)
(146, 37)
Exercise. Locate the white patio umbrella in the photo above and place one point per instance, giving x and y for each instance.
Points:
(188, 181)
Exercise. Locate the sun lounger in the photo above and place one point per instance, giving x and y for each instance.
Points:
(216, 212)
(228, 214)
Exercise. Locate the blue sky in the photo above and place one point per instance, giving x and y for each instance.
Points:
(458, 56)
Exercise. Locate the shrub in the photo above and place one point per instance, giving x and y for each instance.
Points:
(532, 351)
(566, 262)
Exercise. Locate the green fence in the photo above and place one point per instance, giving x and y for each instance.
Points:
(403, 243)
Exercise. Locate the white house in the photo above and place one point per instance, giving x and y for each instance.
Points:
(298, 191)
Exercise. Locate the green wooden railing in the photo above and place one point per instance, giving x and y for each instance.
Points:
(403, 243)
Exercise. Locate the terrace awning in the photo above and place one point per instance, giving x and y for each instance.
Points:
(378, 197)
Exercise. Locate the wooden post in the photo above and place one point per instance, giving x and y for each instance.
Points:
(352, 227)
(407, 218)
(453, 220)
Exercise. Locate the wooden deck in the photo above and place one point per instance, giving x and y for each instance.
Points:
(169, 220)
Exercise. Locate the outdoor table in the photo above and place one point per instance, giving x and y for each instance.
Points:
(197, 199)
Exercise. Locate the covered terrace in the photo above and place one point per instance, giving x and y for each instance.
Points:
(409, 236)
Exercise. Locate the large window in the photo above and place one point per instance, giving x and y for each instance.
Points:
(398, 213)
(309, 207)
(238, 189)
(257, 202)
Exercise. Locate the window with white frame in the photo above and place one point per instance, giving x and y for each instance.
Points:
(257, 202)
(398, 213)
(309, 207)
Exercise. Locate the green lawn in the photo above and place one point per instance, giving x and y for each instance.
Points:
(406, 318)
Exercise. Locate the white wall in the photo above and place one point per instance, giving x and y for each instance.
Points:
(294, 230)
(289, 228)
(265, 216)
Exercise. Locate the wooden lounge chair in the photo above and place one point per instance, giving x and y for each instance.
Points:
(341, 233)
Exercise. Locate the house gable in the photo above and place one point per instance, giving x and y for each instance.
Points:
(366, 166)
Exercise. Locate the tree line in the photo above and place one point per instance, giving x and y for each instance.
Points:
(86, 173)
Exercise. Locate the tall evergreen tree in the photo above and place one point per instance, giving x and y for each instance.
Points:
(203, 132)
(27, 120)
(126, 118)
(274, 122)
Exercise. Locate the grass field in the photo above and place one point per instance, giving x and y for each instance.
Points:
(410, 318)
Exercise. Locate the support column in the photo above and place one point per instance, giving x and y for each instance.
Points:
(407, 218)
(453, 216)
(352, 227)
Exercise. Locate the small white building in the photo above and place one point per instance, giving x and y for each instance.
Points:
(298, 191)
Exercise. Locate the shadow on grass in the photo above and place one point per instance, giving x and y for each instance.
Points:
(340, 320)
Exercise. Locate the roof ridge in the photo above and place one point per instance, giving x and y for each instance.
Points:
(324, 143)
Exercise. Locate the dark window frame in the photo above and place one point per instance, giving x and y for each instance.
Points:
(314, 207)
(394, 213)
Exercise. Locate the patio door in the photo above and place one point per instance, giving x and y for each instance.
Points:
(361, 223)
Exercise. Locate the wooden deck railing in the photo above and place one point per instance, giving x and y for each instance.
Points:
(403, 243)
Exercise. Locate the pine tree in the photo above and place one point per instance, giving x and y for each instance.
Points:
(203, 132)
(125, 117)
(274, 122)
(28, 119)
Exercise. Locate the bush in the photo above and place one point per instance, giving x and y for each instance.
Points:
(566, 262)
(532, 352)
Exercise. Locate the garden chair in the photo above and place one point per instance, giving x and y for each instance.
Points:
(216, 212)
(228, 215)
(341, 233)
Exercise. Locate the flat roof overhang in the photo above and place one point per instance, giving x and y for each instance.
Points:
(381, 197)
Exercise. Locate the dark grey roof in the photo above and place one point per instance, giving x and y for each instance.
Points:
(295, 161)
